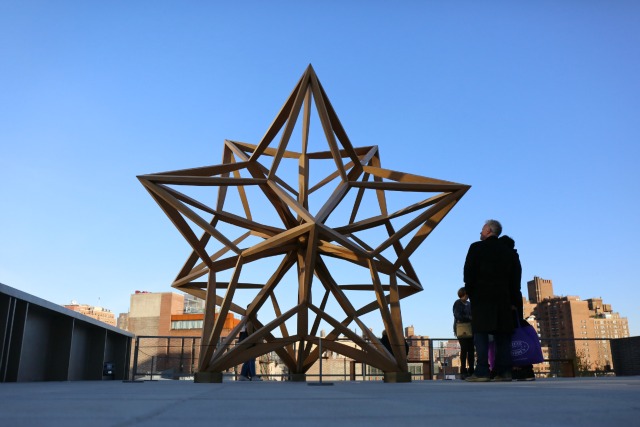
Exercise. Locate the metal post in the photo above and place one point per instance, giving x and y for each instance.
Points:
(135, 359)
(182, 356)
(153, 363)
(133, 372)
(431, 361)
(320, 357)
(344, 365)
(193, 356)
(445, 363)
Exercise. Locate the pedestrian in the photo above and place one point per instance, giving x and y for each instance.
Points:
(462, 316)
(520, 373)
(248, 370)
(491, 278)
(385, 342)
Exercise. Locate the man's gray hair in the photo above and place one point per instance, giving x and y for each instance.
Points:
(495, 226)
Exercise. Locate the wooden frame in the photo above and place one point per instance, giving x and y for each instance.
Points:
(301, 238)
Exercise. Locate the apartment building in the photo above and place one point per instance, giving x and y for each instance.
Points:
(98, 313)
(578, 328)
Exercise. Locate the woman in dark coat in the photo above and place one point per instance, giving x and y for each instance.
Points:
(462, 314)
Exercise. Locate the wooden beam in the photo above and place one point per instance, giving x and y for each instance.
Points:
(302, 238)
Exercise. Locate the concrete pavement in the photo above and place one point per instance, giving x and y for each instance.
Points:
(544, 402)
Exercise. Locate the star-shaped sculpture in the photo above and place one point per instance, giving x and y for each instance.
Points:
(322, 228)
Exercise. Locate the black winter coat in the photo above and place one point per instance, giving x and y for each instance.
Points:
(492, 281)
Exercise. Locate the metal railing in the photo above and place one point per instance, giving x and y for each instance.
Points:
(171, 357)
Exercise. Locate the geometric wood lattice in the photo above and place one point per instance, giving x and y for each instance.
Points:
(301, 227)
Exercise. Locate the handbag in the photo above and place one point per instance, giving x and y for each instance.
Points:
(463, 330)
(525, 345)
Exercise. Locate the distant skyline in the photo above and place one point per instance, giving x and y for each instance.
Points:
(535, 105)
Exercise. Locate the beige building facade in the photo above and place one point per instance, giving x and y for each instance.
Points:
(98, 313)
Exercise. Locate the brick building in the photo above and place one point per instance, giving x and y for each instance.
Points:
(418, 346)
(579, 329)
(98, 313)
(162, 316)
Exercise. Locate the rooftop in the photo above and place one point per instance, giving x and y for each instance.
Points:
(544, 402)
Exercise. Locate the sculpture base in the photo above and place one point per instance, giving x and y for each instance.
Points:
(207, 377)
(397, 377)
(298, 378)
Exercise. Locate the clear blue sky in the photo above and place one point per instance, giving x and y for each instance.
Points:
(534, 104)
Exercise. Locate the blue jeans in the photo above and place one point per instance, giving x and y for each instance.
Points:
(249, 368)
(502, 354)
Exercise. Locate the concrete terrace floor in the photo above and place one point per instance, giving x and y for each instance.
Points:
(608, 401)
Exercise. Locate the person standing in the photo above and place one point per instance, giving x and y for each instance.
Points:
(491, 277)
(462, 314)
(248, 370)
(385, 342)
(520, 373)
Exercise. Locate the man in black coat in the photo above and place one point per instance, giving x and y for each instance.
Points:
(492, 283)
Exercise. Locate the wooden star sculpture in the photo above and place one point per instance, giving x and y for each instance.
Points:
(324, 228)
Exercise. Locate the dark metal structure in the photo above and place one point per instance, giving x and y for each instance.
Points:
(42, 341)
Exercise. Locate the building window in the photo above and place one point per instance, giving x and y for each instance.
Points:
(186, 324)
